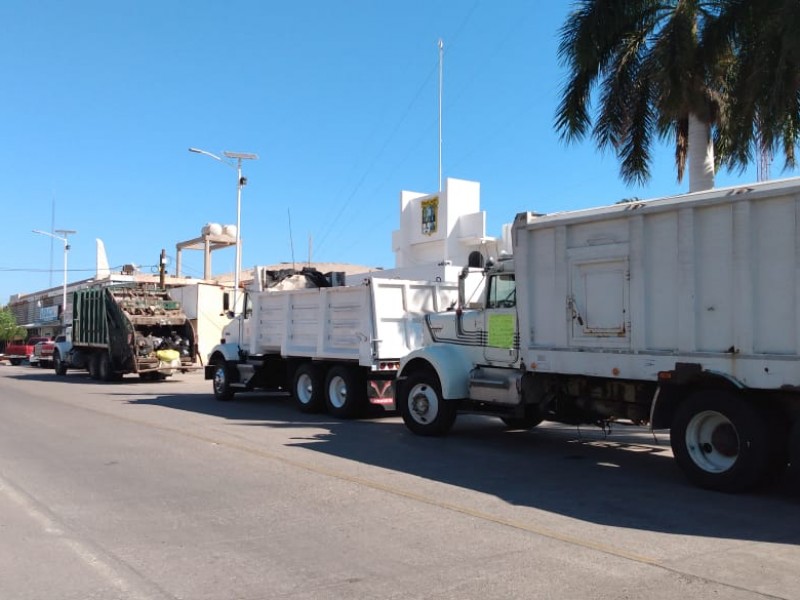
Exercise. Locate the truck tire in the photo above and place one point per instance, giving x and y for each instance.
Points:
(422, 407)
(222, 381)
(308, 388)
(721, 441)
(105, 371)
(94, 365)
(15, 361)
(58, 365)
(345, 392)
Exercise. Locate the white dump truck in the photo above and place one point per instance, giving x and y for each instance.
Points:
(680, 313)
(331, 346)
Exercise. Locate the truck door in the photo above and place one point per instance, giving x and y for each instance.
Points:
(501, 334)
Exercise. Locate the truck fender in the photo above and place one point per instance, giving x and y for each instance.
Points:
(230, 352)
(677, 385)
(64, 350)
(451, 366)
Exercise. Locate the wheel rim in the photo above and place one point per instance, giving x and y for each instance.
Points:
(712, 441)
(423, 403)
(337, 392)
(219, 380)
(304, 388)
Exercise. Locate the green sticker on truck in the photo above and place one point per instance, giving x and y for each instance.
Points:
(501, 331)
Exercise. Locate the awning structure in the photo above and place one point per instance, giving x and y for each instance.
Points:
(52, 323)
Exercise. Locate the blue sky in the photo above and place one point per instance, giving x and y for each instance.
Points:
(100, 101)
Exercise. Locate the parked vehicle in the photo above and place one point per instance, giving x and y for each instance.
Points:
(127, 328)
(679, 313)
(43, 352)
(331, 346)
(20, 351)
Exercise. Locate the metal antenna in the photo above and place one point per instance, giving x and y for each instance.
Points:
(441, 80)
(291, 238)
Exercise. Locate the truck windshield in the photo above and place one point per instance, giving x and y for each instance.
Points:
(502, 291)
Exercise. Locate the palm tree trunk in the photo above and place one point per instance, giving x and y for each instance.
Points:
(701, 155)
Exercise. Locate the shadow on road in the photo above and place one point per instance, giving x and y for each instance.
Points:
(624, 479)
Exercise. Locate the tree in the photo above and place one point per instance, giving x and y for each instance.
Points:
(654, 80)
(763, 84)
(9, 330)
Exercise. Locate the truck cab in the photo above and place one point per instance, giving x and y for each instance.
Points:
(470, 356)
(235, 334)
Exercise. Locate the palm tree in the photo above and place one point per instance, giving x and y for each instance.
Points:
(653, 78)
(763, 111)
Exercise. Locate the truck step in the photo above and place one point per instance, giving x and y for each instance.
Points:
(496, 386)
(502, 384)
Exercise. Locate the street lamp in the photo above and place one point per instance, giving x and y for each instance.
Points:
(63, 237)
(240, 183)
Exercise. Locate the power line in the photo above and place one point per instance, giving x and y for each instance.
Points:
(406, 112)
(71, 270)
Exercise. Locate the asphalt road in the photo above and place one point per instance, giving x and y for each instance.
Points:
(154, 490)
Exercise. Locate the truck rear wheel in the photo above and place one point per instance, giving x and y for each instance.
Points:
(222, 381)
(58, 365)
(345, 392)
(422, 407)
(94, 366)
(721, 441)
(308, 388)
(105, 371)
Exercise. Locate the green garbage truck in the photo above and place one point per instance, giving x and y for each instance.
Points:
(127, 328)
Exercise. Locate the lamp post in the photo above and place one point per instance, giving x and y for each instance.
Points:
(63, 237)
(240, 183)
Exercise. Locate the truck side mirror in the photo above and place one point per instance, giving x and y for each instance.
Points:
(226, 302)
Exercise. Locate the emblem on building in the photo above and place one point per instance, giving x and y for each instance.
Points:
(430, 216)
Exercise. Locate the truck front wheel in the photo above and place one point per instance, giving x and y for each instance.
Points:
(222, 381)
(721, 441)
(308, 388)
(58, 365)
(422, 407)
